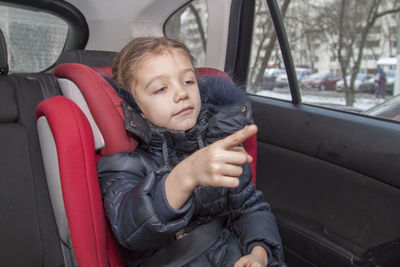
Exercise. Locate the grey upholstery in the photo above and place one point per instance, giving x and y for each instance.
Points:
(29, 235)
(28, 229)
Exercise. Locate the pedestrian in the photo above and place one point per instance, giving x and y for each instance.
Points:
(381, 84)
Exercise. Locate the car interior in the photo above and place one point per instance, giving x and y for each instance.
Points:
(331, 177)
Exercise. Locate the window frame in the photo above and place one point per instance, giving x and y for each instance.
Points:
(239, 39)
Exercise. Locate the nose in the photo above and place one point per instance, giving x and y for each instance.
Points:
(180, 94)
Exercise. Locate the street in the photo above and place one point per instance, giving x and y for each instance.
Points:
(329, 98)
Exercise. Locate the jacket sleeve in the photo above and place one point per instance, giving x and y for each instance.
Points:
(132, 205)
(253, 221)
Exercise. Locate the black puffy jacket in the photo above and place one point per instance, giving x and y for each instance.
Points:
(132, 185)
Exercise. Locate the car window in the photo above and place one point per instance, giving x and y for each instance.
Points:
(189, 25)
(334, 38)
(34, 39)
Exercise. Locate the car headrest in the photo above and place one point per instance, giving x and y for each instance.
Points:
(101, 105)
(91, 58)
(3, 55)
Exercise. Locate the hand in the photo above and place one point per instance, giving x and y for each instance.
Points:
(257, 258)
(216, 165)
(220, 164)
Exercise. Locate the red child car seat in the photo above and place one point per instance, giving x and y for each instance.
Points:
(76, 129)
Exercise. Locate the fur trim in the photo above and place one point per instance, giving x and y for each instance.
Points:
(220, 91)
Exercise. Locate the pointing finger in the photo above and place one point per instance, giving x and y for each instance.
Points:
(239, 137)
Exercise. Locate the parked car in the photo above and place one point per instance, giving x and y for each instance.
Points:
(321, 81)
(270, 76)
(301, 73)
(370, 85)
(272, 73)
(363, 83)
(390, 77)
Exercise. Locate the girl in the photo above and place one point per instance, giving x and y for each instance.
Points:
(184, 197)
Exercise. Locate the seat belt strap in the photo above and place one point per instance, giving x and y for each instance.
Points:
(186, 248)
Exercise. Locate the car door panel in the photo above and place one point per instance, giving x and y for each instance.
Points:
(332, 182)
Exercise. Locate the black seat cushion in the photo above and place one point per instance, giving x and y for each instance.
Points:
(8, 106)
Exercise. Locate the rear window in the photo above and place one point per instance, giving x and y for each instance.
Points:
(34, 39)
(189, 25)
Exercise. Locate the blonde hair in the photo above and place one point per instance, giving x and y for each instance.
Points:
(124, 67)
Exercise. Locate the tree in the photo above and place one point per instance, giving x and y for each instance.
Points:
(304, 31)
(267, 41)
(356, 18)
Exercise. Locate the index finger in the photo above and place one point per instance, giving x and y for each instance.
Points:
(239, 137)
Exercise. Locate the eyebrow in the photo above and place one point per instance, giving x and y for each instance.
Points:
(152, 80)
(162, 75)
(188, 70)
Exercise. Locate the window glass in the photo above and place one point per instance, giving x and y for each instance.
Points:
(266, 65)
(345, 54)
(34, 39)
(189, 25)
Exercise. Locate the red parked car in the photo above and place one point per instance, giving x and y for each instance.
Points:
(322, 81)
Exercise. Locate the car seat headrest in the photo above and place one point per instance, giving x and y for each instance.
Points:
(100, 103)
(3, 55)
(91, 58)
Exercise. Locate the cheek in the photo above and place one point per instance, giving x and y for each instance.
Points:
(155, 111)
(143, 105)
(196, 98)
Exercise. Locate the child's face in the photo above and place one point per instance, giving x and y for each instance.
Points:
(166, 90)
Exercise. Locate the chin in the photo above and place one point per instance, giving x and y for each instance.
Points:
(186, 126)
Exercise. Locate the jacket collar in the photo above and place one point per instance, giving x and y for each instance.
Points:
(184, 141)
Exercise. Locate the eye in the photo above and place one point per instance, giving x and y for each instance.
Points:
(189, 82)
(161, 90)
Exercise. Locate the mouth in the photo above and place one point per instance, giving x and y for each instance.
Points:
(183, 111)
